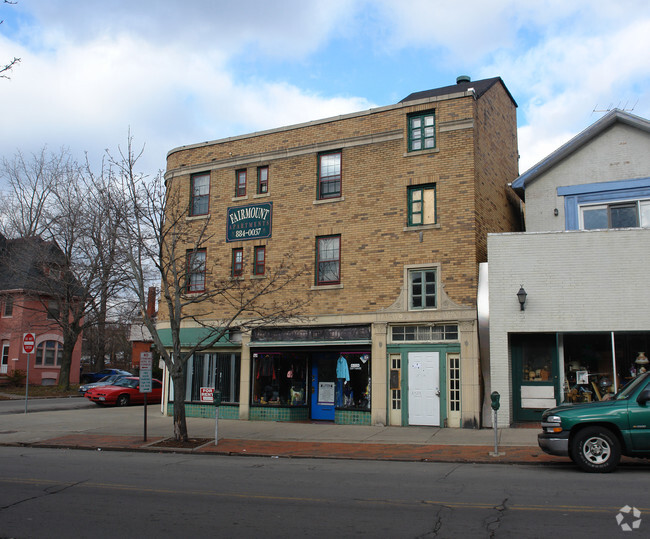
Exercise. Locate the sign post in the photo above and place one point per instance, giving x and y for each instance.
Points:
(146, 361)
(29, 341)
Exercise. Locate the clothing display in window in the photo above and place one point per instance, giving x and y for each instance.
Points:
(342, 370)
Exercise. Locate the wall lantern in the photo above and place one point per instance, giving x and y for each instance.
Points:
(521, 296)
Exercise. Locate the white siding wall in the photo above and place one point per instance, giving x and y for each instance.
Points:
(576, 281)
(620, 153)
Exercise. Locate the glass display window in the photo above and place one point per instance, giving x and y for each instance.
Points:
(279, 379)
(353, 381)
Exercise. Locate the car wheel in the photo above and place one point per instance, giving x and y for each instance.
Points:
(122, 400)
(596, 449)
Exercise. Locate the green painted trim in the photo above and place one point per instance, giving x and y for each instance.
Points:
(443, 349)
(352, 417)
(191, 337)
(228, 411)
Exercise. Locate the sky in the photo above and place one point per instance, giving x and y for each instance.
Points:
(174, 73)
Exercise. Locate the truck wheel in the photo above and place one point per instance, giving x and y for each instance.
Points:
(596, 449)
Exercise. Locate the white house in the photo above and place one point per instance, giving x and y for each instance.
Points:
(583, 329)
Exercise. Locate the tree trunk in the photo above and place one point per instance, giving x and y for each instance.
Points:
(66, 362)
(180, 424)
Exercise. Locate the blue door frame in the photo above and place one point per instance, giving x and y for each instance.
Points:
(323, 389)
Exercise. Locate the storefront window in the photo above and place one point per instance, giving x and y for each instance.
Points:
(279, 379)
(218, 371)
(353, 381)
(537, 357)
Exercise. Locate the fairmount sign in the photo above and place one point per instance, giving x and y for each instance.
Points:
(249, 222)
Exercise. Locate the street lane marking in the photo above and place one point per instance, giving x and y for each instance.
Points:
(445, 503)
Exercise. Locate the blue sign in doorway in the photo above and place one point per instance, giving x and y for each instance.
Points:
(323, 388)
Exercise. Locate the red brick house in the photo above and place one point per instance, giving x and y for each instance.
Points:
(28, 274)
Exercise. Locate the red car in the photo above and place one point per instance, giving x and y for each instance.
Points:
(124, 392)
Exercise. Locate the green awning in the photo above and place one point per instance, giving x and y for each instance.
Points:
(192, 336)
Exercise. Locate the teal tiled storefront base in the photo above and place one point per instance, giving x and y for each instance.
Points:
(268, 413)
(351, 417)
(226, 411)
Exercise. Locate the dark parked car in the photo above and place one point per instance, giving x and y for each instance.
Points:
(91, 377)
(594, 435)
(106, 381)
(124, 392)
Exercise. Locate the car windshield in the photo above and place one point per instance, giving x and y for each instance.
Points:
(106, 379)
(126, 382)
(631, 386)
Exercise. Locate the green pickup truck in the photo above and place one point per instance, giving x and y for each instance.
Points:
(595, 435)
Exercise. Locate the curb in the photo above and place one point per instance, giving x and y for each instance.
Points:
(319, 450)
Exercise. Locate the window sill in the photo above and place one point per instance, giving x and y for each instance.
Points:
(417, 228)
(421, 152)
(197, 217)
(327, 287)
(262, 195)
(258, 277)
(329, 200)
(237, 199)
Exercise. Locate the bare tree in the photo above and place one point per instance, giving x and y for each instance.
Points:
(32, 182)
(5, 69)
(57, 201)
(164, 248)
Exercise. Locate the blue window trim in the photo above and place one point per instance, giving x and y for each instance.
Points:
(593, 193)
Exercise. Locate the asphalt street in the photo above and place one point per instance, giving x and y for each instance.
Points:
(98, 494)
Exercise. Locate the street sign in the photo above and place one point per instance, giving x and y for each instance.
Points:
(29, 341)
(146, 362)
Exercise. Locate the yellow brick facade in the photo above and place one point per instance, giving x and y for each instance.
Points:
(475, 157)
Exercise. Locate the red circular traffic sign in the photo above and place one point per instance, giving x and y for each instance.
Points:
(28, 343)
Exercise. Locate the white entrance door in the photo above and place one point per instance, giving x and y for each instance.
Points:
(424, 388)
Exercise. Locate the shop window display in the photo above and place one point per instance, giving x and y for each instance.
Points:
(219, 371)
(353, 381)
(279, 379)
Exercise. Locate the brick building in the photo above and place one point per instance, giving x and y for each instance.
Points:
(29, 271)
(390, 209)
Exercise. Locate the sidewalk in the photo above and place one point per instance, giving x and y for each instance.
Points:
(123, 429)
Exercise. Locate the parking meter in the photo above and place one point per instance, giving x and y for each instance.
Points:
(495, 400)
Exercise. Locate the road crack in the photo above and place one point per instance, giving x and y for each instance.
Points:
(492, 523)
(49, 491)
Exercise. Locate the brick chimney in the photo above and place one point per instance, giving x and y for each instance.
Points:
(151, 302)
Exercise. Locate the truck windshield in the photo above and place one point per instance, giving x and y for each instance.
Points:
(629, 388)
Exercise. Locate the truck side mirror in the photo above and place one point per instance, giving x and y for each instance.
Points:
(644, 396)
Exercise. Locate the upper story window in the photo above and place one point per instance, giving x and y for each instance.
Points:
(426, 333)
(240, 183)
(422, 205)
(53, 310)
(329, 175)
(237, 262)
(49, 353)
(328, 257)
(422, 289)
(260, 260)
(630, 214)
(8, 307)
(262, 180)
(196, 271)
(422, 131)
(200, 194)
